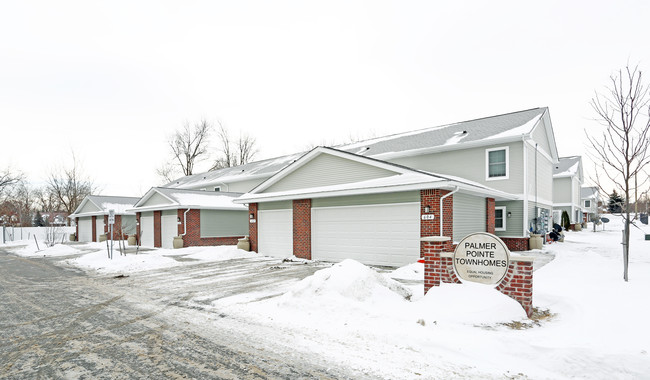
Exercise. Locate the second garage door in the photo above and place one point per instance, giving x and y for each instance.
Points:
(146, 229)
(85, 229)
(275, 232)
(386, 234)
(168, 228)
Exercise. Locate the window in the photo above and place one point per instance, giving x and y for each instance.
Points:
(496, 161)
(500, 218)
(587, 203)
(217, 188)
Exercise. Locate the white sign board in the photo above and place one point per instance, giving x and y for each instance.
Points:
(427, 217)
(481, 257)
(111, 216)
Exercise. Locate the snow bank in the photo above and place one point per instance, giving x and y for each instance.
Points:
(348, 279)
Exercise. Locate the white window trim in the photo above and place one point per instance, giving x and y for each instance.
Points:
(504, 216)
(487, 163)
(587, 200)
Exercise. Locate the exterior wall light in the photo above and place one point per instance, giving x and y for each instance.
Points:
(251, 216)
(509, 214)
(427, 209)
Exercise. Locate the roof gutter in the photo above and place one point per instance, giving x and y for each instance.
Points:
(441, 212)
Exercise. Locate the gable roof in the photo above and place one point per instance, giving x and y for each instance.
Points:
(589, 192)
(188, 199)
(104, 203)
(401, 179)
(253, 170)
(479, 132)
(568, 167)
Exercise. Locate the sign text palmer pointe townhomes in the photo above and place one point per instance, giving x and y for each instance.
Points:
(481, 257)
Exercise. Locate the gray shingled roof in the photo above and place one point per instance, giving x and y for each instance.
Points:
(511, 125)
(589, 192)
(458, 134)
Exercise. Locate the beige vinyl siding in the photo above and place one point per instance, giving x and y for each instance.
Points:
(544, 185)
(368, 199)
(241, 186)
(541, 138)
(514, 224)
(280, 205)
(156, 199)
(326, 170)
(89, 207)
(128, 224)
(470, 164)
(469, 215)
(562, 190)
(223, 223)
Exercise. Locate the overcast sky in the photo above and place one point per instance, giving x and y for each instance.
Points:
(112, 80)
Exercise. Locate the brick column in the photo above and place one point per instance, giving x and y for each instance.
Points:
(431, 248)
(137, 227)
(252, 227)
(76, 231)
(302, 228)
(431, 227)
(106, 229)
(157, 239)
(94, 228)
(490, 225)
(518, 282)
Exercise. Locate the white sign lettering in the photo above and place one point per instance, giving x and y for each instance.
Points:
(427, 217)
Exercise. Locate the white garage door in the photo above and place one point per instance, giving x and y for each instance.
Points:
(99, 225)
(168, 228)
(146, 230)
(275, 233)
(386, 235)
(85, 229)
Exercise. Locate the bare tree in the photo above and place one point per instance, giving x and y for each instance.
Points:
(8, 178)
(68, 187)
(25, 199)
(190, 144)
(621, 152)
(239, 152)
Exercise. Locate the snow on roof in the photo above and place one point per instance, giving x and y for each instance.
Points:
(567, 167)
(264, 168)
(512, 125)
(589, 192)
(182, 198)
(119, 204)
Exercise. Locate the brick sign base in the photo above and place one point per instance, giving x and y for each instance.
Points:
(438, 267)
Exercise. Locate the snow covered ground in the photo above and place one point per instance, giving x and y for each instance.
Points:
(589, 323)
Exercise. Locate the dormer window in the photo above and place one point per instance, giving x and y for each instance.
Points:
(496, 162)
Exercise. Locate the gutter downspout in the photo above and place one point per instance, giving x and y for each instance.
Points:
(185, 222)
(441, 213)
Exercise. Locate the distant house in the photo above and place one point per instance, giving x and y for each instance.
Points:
(200, 217)
(590, 198)
(91, 217)
(567, 185)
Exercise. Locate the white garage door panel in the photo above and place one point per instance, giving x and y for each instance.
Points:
(85, 230)
(169, 229)
(377, 235)
(146, 228)
(275, 232)
(99, 222)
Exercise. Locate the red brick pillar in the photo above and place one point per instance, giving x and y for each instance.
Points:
(489, 214)
(302, 228)
(431, 248)
(137, 227)
(76, 231)
(106, 229)
(94, 228)
(431, 227)
(518, 282)
(157, 239)
(252, 227)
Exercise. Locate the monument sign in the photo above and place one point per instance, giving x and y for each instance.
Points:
(481, 257)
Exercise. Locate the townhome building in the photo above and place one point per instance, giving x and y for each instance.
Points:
(567, 185)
